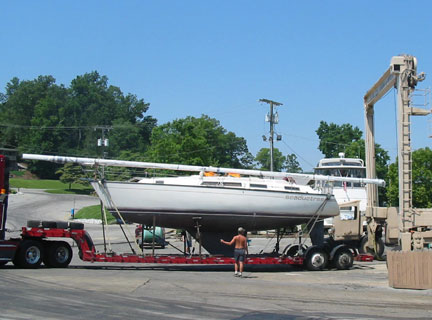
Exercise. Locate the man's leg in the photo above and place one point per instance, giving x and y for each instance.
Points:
(241, 266)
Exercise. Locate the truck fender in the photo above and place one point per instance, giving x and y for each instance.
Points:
(335, 249)
(308, 249)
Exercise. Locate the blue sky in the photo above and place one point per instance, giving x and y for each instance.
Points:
(220, 57)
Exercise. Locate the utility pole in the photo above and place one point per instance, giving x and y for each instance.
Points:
(272, 119)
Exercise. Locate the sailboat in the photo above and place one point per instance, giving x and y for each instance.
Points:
(215, 201)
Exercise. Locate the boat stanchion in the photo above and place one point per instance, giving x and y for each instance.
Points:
(153, 235)
(198, 233)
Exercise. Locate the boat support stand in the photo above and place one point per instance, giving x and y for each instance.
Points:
(198, 233)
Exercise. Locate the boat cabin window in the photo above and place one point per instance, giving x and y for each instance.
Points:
(232, 184)
(292, 188)
(209, 183)
(255, 185)
(343, 172)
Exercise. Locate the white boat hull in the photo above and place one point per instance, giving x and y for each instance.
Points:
(219, 209)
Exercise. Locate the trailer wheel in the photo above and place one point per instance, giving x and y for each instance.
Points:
(58, 254)
(49, 224)
(62, 224)
(364, 249)
(29, 255)
(33, 223)
(76, 226)
(316, 259)
(343, 259)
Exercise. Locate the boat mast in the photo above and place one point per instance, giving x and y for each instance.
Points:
(300, 178)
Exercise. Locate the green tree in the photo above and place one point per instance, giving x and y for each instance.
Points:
(28, 103)
(39, 116)
(334, 138)
(422, 180)
(291, 164)
(263, 159)
(71, 173)
(198, 141)
(94, 103)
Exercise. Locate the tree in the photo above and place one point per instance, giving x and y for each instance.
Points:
(39, 116)
(198, 141)
(291, 164)
(421, 176)
(71, 173)
(29, 103)
(263, 159)
(335, 138)
(93, 103)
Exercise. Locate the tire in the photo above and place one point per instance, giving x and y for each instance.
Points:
(58, 254)
(2, 263)
(76, 226)
(62, 224)
(29, 255)
(343, 259)
(49, 224)
(34, 223)
(316, 259)
(380, 248)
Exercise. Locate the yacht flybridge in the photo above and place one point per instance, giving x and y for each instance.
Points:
(344, 191)
(218, 200)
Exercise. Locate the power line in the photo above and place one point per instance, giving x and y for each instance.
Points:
(297, 154)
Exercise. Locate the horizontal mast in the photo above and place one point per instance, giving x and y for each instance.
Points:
(301, 178)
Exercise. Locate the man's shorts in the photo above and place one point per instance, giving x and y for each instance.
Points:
(239, 255)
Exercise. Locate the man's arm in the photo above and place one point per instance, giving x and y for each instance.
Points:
(228, 243)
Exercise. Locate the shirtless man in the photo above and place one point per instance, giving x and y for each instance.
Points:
(240, 250)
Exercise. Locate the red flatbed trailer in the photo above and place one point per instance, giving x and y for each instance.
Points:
(35, 247)
(87, 251)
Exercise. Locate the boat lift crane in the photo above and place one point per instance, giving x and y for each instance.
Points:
(406, 226)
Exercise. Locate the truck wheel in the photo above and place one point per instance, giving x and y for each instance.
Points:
(29, 255)
(33, 223)
(316, 259)
(380, 248)
(343, 259)
(59, 254)
(2, 263)
(76, 226)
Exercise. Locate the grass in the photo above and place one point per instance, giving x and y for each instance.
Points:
(17, 173)
(52, 186)
(93, 212)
